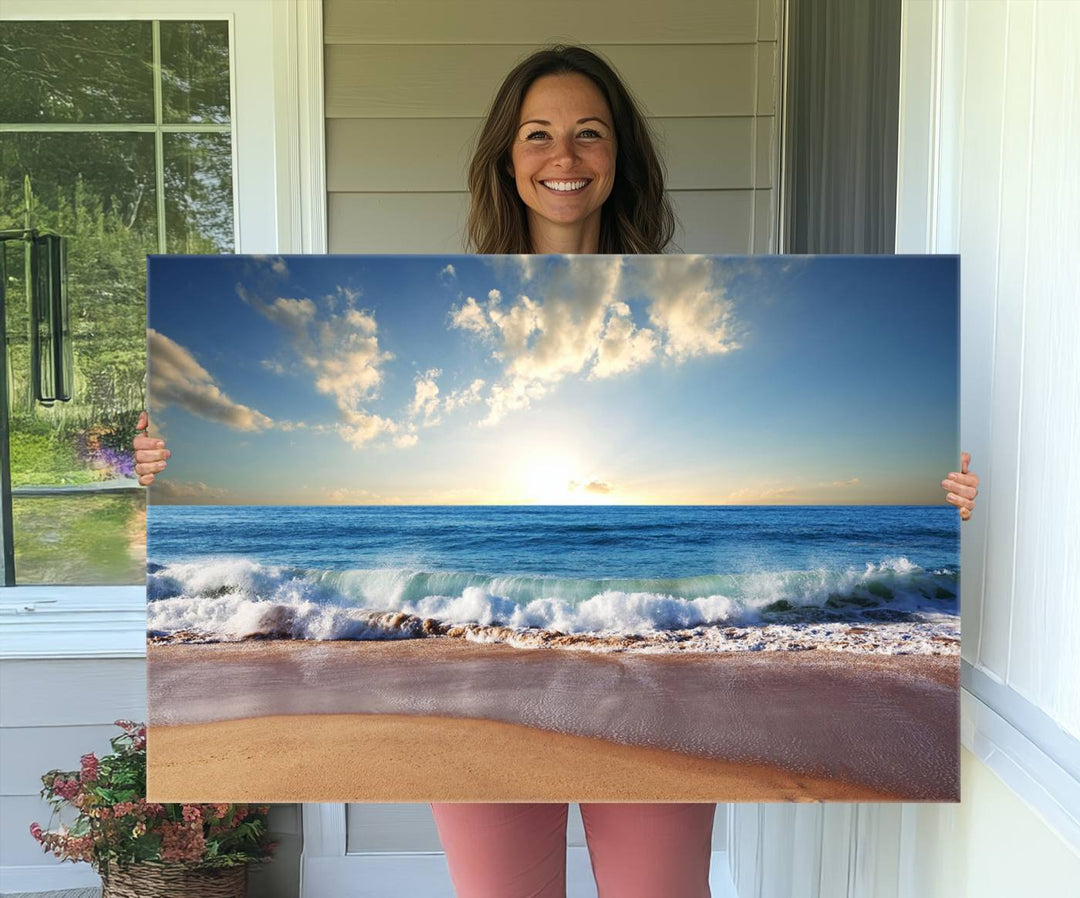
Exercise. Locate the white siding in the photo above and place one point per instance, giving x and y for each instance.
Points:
(53, 712)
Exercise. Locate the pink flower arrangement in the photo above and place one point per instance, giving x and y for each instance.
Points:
(117, 825)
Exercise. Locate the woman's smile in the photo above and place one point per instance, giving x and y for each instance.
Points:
(564, 186)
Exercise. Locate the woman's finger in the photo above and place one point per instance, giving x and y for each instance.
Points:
(968, 480)
(155, 467)
(146, 479)
(959, 501)
(954, 486)
(965, 514)
(148, 455)
(144, 421)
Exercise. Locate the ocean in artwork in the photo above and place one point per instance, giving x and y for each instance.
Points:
(879, 579)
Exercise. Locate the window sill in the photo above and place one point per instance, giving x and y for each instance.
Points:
(73, 622)
(1032, 755)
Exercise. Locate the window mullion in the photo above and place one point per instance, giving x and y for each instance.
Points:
(159, 137)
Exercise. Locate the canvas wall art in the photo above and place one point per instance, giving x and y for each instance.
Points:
(553, 528)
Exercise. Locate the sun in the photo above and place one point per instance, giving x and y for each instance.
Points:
(548, 482)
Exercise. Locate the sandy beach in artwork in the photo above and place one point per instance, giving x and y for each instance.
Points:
(443, 719)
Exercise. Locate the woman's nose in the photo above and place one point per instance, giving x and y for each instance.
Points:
(564, 150)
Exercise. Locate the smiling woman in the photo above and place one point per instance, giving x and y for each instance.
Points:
(563, 161)
(561, 117)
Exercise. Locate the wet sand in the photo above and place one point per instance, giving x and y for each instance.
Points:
(443, 719)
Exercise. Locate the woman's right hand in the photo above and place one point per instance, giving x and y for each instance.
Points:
(150, 453)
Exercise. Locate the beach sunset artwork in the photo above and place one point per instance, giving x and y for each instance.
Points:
(553, 528)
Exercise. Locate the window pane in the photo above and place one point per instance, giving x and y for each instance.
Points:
(195, 71)
(98, 191)
(81, 540)
(198, 193)
(79, 181)
(76, 72)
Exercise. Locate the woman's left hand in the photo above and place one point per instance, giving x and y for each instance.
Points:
(962, 487)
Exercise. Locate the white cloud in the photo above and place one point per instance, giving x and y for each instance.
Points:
(359, 428)
(426, 399)
(512, 396)
(573, 318)
(448, 274)
(688, 305)
(341, 350)
(623, 346)
(430, 404)
(598, 487)
(465, 396)
(176, 378)
(405, 440)
(542, 340)
(470, 317)
(278, 266)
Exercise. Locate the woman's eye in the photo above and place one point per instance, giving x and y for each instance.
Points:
(589, 132)
(536, 135)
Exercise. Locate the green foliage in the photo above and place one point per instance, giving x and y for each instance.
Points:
(117, 825)
(81, 539)
(106, 287)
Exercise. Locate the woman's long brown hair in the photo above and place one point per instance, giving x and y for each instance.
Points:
(637, 216)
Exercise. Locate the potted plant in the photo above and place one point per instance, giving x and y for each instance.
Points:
(142, 848)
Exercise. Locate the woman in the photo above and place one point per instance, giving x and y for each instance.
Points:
(565, 164)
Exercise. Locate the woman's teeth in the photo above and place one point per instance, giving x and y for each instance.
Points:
(564, 186)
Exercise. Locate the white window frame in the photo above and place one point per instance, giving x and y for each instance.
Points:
(279, 203)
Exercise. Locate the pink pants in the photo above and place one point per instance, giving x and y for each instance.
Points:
(519, 850)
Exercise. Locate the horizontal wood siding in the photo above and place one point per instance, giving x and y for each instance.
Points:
(365, 81)
(522, 22)
(408, 84)
(380, 155)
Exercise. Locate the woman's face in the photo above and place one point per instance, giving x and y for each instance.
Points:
(563, 155)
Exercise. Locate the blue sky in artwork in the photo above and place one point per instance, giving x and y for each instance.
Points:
(554, 379)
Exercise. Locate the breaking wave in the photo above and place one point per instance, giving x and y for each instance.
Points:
(236, 598)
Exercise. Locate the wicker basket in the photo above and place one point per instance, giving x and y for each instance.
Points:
(167, 880)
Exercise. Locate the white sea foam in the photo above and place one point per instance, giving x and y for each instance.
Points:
(230, 598)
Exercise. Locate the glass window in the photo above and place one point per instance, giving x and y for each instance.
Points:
(117, 136)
